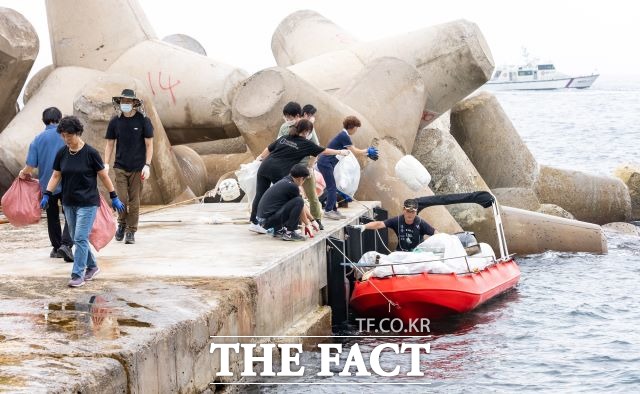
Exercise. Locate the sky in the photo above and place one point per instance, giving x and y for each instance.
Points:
(578, 36)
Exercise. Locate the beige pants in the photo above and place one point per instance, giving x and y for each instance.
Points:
(309, 187)
(129, 188)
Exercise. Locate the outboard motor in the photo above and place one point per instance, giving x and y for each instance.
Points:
(469, 241)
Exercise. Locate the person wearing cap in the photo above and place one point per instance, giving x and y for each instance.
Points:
(281, 206)
(326, 164)
(409, 227)
(291, 114)
(132, 134)
(42, 152)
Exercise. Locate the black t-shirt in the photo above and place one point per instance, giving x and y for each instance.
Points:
(79, 175)
(284, 153)
(129, 134)
(409, 235)
(276, 196)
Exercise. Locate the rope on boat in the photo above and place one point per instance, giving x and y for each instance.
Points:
(391, 303)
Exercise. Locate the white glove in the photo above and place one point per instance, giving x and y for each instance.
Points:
(345, 152)
(106, 166)
(146, 171)
(360, 227)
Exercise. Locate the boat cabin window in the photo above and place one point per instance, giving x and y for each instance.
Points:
(546, 67)
(525, 72)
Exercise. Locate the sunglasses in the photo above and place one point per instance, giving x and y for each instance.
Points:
(410, 209)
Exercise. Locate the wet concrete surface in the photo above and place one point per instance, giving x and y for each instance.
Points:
(144, 324)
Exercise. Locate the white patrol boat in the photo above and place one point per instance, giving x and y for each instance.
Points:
(536, 77)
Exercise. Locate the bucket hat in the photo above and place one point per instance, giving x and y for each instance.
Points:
(127, 93)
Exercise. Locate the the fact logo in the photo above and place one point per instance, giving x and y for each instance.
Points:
(330, 355)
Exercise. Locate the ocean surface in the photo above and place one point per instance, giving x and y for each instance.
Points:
(572, 323)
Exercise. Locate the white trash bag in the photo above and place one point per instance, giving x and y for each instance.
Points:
(410, 171)
(229, 189)
(347, 174)
(247, 178)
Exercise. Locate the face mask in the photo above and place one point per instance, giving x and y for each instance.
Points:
(309, 135)
(126, 107)
(312, 119)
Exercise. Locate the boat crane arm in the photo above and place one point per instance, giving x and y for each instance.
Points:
(482, 198)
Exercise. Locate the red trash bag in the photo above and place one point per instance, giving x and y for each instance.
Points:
(21, 203)
(104, 227)
(320, 183)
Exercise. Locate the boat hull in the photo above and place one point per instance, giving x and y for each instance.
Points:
(432, 296)
(581, 82)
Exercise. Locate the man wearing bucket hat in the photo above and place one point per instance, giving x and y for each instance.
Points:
(132, 134)
(409, 227)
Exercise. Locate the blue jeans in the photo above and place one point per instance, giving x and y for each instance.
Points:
(80, 221)
(330, 186)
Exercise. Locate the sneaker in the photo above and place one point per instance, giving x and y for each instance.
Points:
(256, 228)
(279, 233)
(292, 236)
(76, 282)
(333, 215)
(340, 214)
(129, 238)
(54, 253)
(91, 273)
(65, 252)
(120, 232)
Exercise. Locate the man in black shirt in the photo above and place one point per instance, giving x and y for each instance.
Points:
(133, 132)
(281, 205)
(409, 227)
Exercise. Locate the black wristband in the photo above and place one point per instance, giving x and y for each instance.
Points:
(48, 193)
(113, 195)
(148, 164)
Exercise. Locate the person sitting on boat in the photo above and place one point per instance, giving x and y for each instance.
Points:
(409, 227)
(281, 206)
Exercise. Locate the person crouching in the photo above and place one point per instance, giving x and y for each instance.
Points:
(281, 205)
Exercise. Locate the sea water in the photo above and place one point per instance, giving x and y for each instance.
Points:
(572, 323)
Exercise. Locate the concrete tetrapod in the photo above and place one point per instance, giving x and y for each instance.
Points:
(591, 198)
(379, 182)
(227, 145)
(93, 106)
(193, 168)
(35, 82)
(192, 93)
(453, 59)
(58, 90)
(526, 232)
(630, 175)
(306, 34)
(18, 50)
(257, 111)
(493, 145)
(94, 33)
(186, 42)
(396, 106)
(219, 164)
(530, 232)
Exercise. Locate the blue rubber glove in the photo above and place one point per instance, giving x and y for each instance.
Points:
(44, 203)
(372, 153)
(117, 204)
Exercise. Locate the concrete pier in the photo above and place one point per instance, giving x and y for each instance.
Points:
(156, 303)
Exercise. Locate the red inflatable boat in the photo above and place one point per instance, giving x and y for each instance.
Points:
(433, 296)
